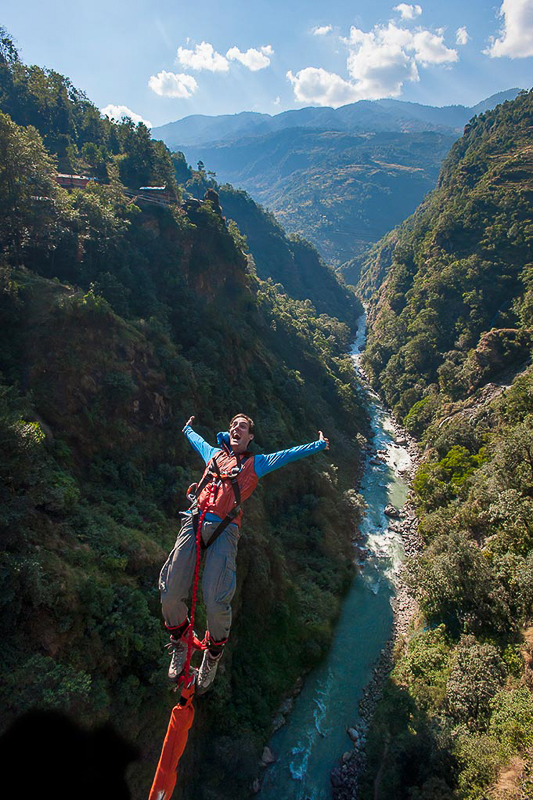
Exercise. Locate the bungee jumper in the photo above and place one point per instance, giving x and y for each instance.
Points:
(212, 523)
(213, 520)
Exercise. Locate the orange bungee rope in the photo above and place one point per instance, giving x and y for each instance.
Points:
(182, 715)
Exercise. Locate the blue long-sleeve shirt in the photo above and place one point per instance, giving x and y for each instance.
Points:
(263, 464)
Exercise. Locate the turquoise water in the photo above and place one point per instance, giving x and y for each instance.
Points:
(314, 737)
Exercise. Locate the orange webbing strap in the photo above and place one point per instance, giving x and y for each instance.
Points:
(182, 714)
(180, 723)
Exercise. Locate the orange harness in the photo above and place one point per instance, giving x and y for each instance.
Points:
(203, 499)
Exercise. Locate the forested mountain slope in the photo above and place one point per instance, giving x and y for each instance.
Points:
(341, 190)
(287, 260)
(460, 267)
(119, 318)
(85, 143)
(450, 348)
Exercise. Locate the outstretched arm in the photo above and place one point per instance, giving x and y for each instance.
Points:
(200, 445)
(264, 464)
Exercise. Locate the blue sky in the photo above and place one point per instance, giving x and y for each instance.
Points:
(162, 60)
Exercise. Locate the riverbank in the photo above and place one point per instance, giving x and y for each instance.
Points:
(346, 775)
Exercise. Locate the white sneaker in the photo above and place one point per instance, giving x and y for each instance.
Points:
(207, 671)
(178, 648)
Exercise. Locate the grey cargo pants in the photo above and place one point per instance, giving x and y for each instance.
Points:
(218, 583)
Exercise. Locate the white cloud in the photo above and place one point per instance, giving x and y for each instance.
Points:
(321, 30)
(395, 43)
(170, 84)
(461, 36)
(252, 58)
(120, 112)
(430, 49)
(407, 11)
(516, 37)
(383, 59)
(379, 63)
(316, 85)
(204, 56)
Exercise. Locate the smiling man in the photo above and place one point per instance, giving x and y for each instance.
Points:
(231, 475)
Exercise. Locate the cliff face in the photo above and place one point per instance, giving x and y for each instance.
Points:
(450, 349)
(119, 320)
(459, 266)
(288, 261)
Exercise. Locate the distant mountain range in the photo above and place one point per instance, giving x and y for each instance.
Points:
(366, 115)
(339, 177)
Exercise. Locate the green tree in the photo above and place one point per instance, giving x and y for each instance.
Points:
(30, 198)
(511, 720)
(454, 584)
(477, 673)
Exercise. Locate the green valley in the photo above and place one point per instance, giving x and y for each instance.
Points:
(342, 178)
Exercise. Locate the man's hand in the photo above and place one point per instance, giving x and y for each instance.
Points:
(322, 438)
(190, 421)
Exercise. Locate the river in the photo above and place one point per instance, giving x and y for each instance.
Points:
(310, 744)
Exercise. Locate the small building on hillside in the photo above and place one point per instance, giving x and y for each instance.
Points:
(157, 194)
(73, 181)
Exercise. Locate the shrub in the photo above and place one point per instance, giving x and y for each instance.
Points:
(511, 720)
(477, 673)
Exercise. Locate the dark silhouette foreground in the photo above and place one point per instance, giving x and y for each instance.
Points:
(46, 752)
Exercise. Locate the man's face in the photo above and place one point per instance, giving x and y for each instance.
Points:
(239, 435)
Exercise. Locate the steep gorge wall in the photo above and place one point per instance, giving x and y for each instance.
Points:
(450, 350)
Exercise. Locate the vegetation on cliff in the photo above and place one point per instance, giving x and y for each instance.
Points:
(288, 260)
(450, 349)
(119, 319)
(456, 305)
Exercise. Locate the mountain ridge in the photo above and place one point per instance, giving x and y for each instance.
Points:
(454, 117)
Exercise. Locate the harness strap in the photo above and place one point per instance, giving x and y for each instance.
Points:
(185, 678)
(198, 516)
(221, 527)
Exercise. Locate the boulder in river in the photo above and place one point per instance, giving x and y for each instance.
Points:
(298, 686)
(286, 707)
(336, 778)
(268, 756)
(278, 722)
(392, 511)
(353, 734)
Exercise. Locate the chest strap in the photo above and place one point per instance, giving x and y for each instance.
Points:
(214, 474)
